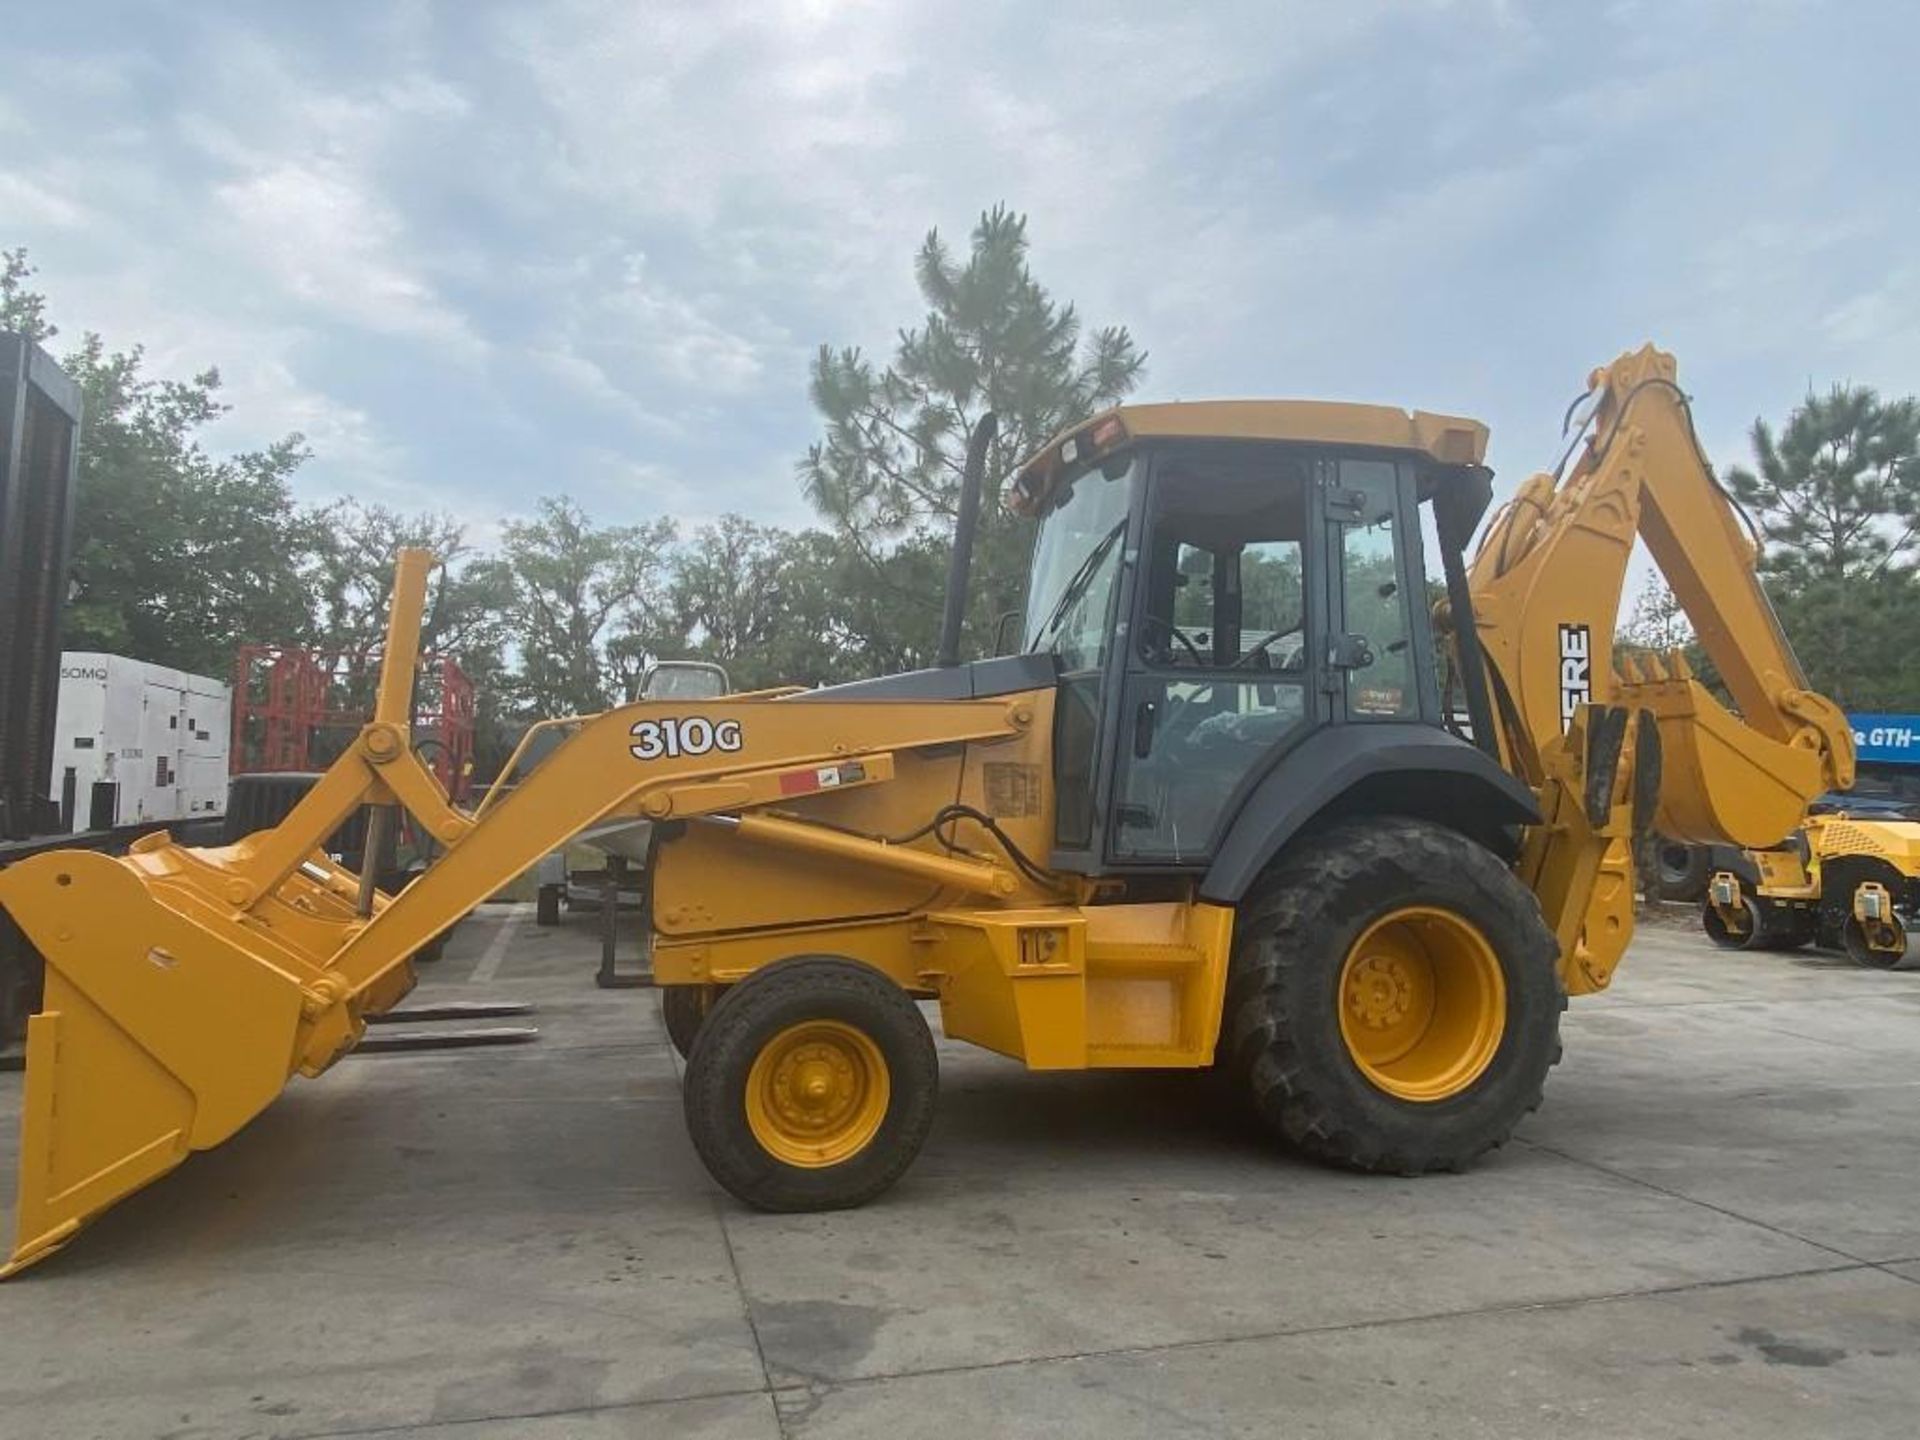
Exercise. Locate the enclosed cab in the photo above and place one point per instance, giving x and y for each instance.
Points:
(1239, 603)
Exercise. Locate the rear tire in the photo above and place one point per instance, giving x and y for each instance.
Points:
(1681, 871)
(546, 905)
(811, 1086)
(1374, 900)
(684, 1010)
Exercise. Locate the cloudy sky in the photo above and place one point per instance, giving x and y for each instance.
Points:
(478, 252)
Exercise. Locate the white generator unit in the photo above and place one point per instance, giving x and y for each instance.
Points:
(138, 744)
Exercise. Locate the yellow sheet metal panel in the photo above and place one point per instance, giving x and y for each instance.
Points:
(1445, 439)
(1781, 874)
(1156, 978)
(713, 881)
(1897, 841)
(889, 944)
(1449, 439)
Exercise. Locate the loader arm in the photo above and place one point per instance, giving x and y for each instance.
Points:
(1592, 737)
(185, 986)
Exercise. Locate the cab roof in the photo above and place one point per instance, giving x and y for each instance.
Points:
(1444, 439)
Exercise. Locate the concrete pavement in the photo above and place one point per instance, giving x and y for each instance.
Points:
(1709, 1228)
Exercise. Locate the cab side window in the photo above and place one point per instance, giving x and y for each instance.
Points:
(1373, 598)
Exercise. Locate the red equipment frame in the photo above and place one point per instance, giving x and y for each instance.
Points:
(295, 709)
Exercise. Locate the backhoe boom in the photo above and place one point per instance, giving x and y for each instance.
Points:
(1547, 582)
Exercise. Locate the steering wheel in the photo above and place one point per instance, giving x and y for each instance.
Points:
(1177, 633)
(1261, 649)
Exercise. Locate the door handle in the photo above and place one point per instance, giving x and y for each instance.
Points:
(1143, 722)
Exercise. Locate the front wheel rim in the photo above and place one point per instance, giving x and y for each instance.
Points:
(817, 1094)
(1423, 1004)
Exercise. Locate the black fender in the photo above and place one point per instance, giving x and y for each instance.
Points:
(1392, 768)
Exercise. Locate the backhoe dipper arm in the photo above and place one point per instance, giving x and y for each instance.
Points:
(1547, 582)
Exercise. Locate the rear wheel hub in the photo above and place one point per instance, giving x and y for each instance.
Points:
(1423, 1003)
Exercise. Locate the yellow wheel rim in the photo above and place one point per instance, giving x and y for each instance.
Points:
(817, 1093)
(1422, 1003)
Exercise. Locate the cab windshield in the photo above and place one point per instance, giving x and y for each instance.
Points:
(1075, 561)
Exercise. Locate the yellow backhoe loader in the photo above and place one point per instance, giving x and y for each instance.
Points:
(1218, 811)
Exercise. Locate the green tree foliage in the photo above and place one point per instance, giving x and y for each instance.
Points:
(178, 555)
(762, 602)
(885, 476)
(1657, 622)
(22, 310)
(352, 578)
(583, 601)
(1836, 496)
(466, 611)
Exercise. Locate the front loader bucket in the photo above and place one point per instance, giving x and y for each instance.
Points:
(1720, 780)
(157, 1037)
(185, 985)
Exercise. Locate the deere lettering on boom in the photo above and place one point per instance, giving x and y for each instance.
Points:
(1213, 813)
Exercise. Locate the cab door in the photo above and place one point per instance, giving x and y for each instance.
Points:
(1380, 661)
(1221, 675)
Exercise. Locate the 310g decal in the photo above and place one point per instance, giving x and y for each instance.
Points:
(694, 735)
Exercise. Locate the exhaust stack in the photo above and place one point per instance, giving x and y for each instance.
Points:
(957, 570)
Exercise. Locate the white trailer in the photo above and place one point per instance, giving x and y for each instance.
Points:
(139, 744)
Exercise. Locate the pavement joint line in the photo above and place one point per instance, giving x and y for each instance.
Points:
(488, 965)
(1686, 1199)
(1846, 1045)
(404, 1427)
(1343, 1327)
(746, 1310)
(1887, 1267)
(1624, 1006)
(770, 1389)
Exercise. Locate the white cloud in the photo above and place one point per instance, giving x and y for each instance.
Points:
(25, 201)
(595, 243)
(332, 243)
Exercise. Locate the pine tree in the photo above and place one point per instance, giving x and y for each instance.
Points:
(1836, 496)
(886, 474)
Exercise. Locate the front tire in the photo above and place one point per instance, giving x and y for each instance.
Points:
(811, 1085)
(1393, 1000)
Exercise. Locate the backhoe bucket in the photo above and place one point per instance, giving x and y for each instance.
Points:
(1720, 780)
(158, 1035)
